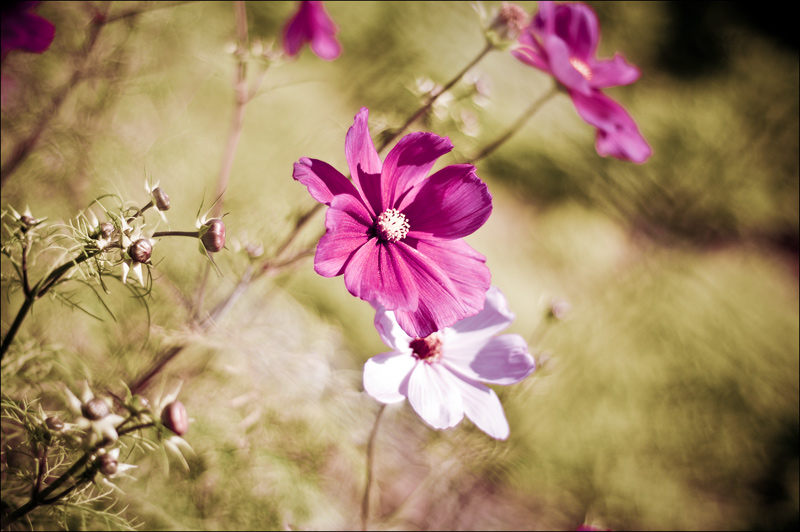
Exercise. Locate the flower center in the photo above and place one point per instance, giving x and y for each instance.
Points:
(428, 349)
(581, 67)
(391, 226)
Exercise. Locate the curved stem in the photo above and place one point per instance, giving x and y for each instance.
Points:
(370, 463)
(422, 110)
(516, 126)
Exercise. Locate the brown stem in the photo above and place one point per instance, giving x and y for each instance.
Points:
(370, 463)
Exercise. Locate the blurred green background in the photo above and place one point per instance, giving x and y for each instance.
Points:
(668, 397)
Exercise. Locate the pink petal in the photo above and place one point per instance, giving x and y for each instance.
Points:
(613, 72)
(347, 224)
(464, 267)
(495, 317)
(323, 38)
(323, 180)
(434, 396)
(296, 31)
(482, 407)
(577, 25)
(617, 133)
(408, 163)
(378, 272)
(559, 56)
(384, 375)
(439, 303)
(531, 54)
(390, 331)
(452, 203)
(500, 360)
(360, 151)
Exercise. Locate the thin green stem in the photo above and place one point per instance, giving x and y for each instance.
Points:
(370, 463)
(516, 126)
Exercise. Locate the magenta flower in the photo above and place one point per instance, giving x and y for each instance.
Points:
(312, 24)
(562, 41)
(397, 236)
(441, 374)
(22, 30)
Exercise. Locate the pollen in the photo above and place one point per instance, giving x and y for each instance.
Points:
(428, 349)
(581, 67)
(391, 225)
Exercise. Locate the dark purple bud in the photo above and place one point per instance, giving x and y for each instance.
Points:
(108, 464)
(106, 230)
(27, 221)
(141, 250)
(214, 238)
(94, 409)
(175, 418)
(54, 423)
(162, 200)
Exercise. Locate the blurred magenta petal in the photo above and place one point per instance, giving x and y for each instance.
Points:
(312, 24)
(562, 40)
(442, 374)
(22, 30)
(396, 235)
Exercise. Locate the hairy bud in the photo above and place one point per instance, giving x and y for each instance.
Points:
(161, 198)
(141, 250)
(175, 418)
(214, 237)
(108, 464)
(94, 409)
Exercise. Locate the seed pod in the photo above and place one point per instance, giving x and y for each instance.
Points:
(214, 238)
(175, 418)
(94, 409)
(162, 200)
(108, 464)
(141, 250)
(54, 423)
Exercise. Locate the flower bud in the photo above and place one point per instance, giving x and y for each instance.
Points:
(94, 409)
(108, 464)
(141, 250)
(54, 423)
(214, 237)
(106, 230)
(175, 418)
(161, 198)
(28, 222)
(508, 23)
(559, 309)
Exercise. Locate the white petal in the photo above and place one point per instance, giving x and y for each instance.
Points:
(125, 269)
(501, 360)
(384, 375)
(476, 330)
(138, 271)
(391, 333)
(434, 397)
(482, 407)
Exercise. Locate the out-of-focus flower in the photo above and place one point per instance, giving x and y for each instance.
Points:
(312, 24)
(110, 468)
(158, 197)
(562, 40)
(506, 24)
(136, 251)
(94, 416)
(20, 29)
(26, 220)
(396, 236)
(441, 374)
(171, 414)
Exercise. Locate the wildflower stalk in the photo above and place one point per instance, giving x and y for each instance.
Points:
(516, 126)
(370, 463)
(432, 99)
(37, 292)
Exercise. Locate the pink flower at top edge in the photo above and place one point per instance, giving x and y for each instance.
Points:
(562, 41)
(395, 235)
(22, 30)
(441, 375)
(312, 24)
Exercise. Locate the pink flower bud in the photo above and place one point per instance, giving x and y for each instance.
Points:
(108, 464)
(175, 418)
(162, 200)
(94, 409)
(141, 250)
(214, 238)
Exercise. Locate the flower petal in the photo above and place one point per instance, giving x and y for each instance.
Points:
(390, 331)
(378, 272)
(296, 31)
(577, 25)
(434, 396)
(561, 67)
(360, 151)
(483, 407)
(347, 223)
(323, 35)
(384, 375)
(495, 317)
(500, 360)
(464, 267)
(613, 72)
(323, 180)
(452, 203)
(409, 163)
(617, 133)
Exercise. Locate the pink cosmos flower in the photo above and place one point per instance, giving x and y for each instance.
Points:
(441, 374)
(562, 41)
(312, 24)
(22, 30)
(397, 236)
